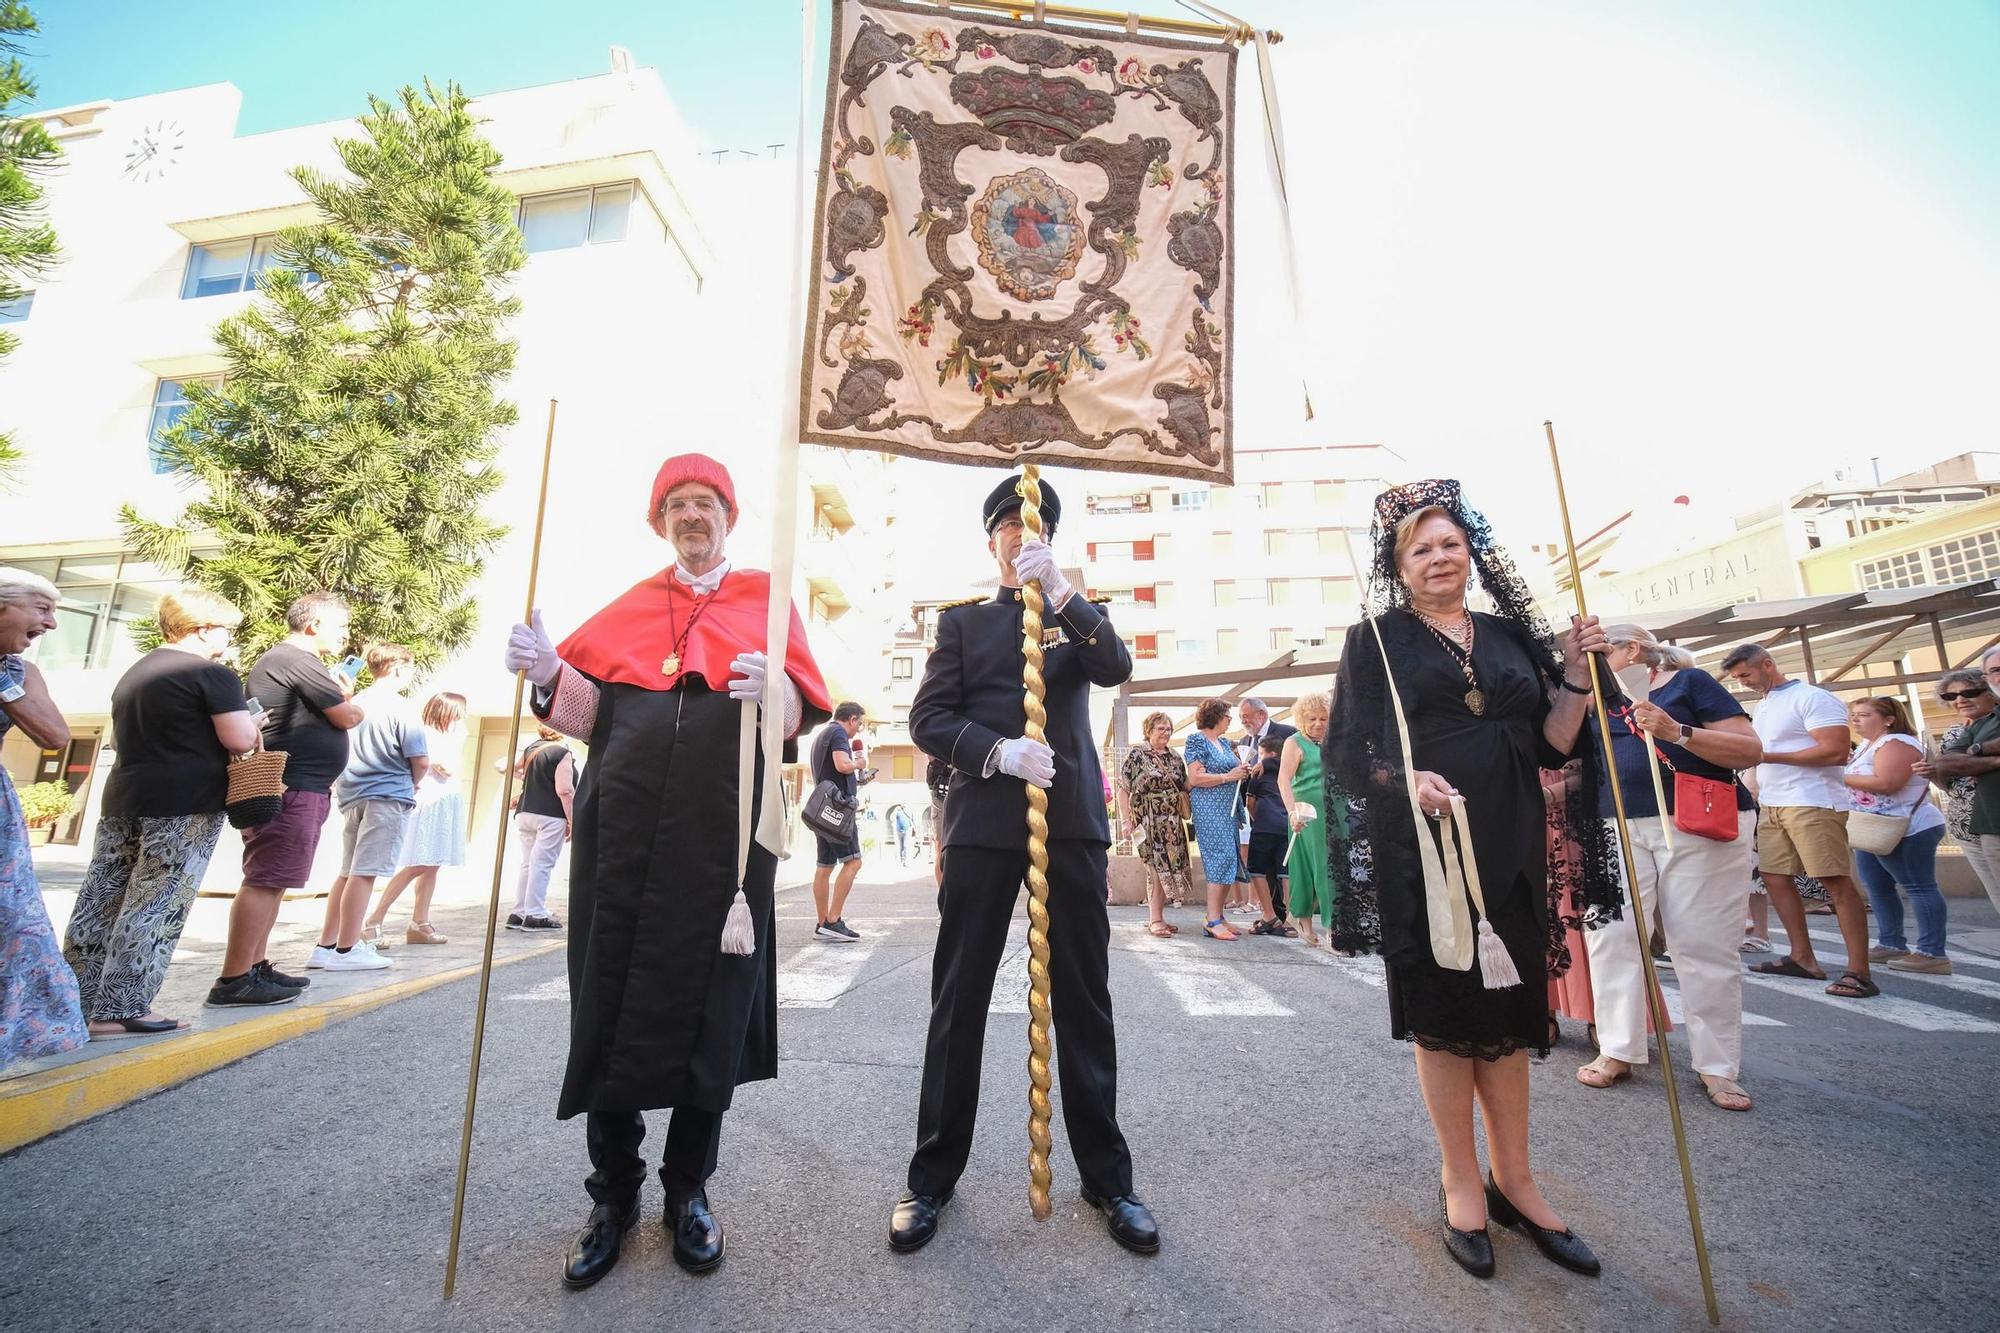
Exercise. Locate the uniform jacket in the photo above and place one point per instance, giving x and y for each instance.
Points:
(971, 699)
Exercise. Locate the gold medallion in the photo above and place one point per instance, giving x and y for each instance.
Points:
(1475, 702)
(672, 667)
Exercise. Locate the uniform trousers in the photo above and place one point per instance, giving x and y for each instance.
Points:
(981, 887)
(1698, 892)
(617, 1169)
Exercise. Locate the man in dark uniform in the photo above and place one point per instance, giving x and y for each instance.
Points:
(969, 712)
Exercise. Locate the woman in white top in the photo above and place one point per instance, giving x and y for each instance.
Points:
(437, 831)
(1882, 780)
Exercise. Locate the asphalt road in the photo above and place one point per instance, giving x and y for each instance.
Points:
(1277, 1132)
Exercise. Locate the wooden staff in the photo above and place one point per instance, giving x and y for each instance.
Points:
(1034, 691)
(499, 856)
(1655, 1001)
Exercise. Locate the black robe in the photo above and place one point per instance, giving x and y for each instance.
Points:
(659, 1015)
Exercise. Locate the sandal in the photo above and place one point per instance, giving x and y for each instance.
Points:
(1787, 967)
(1754, 944)
(137, 1027)
(1159, 930)
(373, 934)
(1217, 929)
(1854, 986)
(1724, 1094)
(1597, 1074)
(423, 932)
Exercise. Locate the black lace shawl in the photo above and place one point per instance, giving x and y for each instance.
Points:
(1363, 758)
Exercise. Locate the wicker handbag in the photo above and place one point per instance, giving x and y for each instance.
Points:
(256, 788)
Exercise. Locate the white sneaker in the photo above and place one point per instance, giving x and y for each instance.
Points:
(322, 955)
(361, 958)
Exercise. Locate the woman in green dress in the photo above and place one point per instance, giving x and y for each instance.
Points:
(1303, 790)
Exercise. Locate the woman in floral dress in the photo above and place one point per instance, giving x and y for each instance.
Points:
(40, 1013)
(1156, 785)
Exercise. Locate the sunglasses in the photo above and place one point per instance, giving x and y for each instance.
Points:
(1953, 696)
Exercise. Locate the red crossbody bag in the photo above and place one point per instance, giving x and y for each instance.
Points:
(1704, 807)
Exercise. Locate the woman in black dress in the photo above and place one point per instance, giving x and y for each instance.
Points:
(1488, 701)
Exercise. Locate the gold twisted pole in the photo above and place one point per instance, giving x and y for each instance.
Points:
(1034, 690)
(493, 896)
(1655, 1001)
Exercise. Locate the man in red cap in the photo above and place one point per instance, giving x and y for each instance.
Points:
(661, 1015)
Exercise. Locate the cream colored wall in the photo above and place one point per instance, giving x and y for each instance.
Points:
(1834, 569)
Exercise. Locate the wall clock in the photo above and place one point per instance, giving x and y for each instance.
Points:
(154, 150)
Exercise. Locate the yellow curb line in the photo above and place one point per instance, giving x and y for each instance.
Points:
(38, 1105)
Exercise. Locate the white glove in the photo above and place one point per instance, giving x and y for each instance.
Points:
(748, 682)
(1302, 815)
(1031, 761)
(1038, 561)
(530, 649)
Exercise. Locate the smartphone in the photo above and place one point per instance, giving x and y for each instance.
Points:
(255, 707)
(350, 667)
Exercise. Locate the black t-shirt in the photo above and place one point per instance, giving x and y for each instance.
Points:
(1269, 816)
(831, 735)
(169, 761)
(295, 688)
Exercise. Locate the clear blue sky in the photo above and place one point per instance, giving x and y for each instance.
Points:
(1924, 79)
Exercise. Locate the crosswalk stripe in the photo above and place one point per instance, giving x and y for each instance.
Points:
(1969, 985)
(1888, 1008)
(819, 974)
(1205, 989)
(1672, 995)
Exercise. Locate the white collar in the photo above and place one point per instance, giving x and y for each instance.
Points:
(703, 584)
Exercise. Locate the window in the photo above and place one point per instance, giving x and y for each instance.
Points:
(1327, 494)
(170, 404)
(1146, 596)
(1145, 647)
(1332, 592)
(901, 668)
(903, 767)
(1142, 550)
(102, 594)
(1963, 559)
(1250, 592)
(1281, 592)
(1188, 647)
(1141, 503)
(16, 310)
(1184, 501)
(900, 713)
(1329, 541)
(574, 218)
(1274, 494)
(1896, 571)
(1223, 543)
(228, 266)
(1308, 639)
(1225, 643)
(1274, 542)
(1281, 638)
(1225, 592)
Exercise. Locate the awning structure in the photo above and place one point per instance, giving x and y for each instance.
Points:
(1851, 641)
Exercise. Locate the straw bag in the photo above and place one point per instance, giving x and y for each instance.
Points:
(256, 788)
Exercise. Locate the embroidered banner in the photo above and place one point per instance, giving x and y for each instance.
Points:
(1023, 245)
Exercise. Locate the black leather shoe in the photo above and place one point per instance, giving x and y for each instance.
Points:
(696, 1232)
(595, 1250)
(1558, 1247)
(1129, 1222)
(1470, 1250)
(914, 1222)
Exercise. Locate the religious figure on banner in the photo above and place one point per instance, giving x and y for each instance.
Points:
(1023, 245)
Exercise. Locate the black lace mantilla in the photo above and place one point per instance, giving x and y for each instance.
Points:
(1363, 756)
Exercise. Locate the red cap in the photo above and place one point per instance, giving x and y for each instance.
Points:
(682, 469)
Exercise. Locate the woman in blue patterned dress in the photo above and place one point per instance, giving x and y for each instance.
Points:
(39, 1010)
(1214, 772)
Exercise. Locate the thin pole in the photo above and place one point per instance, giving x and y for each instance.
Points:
(493, 897)
(1655, 1001)
(1034, 690)
(1023, 9)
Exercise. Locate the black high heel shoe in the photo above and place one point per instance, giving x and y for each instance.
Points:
(1558, 1247)
(1470, 1250)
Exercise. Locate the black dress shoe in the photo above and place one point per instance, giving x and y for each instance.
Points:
(696, 1232)
(914, 1222)
(1129, 1222)
(1470, 1250)
(595, 1250)
(1559, 1247)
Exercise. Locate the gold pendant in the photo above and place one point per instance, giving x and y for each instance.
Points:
(1475, 702)
(672, 666)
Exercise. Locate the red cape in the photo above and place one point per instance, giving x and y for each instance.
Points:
(628, 641)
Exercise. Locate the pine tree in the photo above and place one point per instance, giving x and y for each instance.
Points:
(351, 442)
(27, 243)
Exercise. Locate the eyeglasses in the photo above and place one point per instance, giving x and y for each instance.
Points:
(702, 506)
(1953, 696)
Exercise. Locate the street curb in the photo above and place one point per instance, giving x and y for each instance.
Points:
(38, 1105)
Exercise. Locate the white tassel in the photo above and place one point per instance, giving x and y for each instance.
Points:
(739, 932)
(1496, 965)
